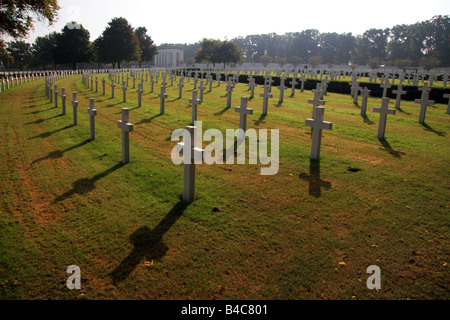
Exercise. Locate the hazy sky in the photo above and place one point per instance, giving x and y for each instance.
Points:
(181, 21)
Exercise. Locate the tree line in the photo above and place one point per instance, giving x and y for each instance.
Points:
(119, 42)
(424, 44)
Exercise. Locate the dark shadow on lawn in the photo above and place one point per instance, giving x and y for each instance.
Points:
(402, 111)
(39, 111)
(86, 185)
(367, 120)
(260, 120)
(48, 134)
(356, 104)
(430, 129)
(115, 104)
(315, 183)
(42, 120)
(222, 112)
(148, 244)
(59, 153)
(387, 147)
(150, 119)
(104, 99)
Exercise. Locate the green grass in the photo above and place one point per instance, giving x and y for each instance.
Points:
(67, 200)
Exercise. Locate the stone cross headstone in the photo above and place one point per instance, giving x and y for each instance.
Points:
(293, 84)
(383, 111)
(270, 82)
(425, 87)
(244, 111)
(316, 101)
(201, 88)
(124, 90)
(266, 95)
(194, 102)
(218, 78)
(447, 96)
(140, 91)
(229, 90)
(162, 97)
(192, 155)
(103, 86)
(356, 89)
(365, 94)
(180, 87)
(317, 124)
(113, 85)
(424, 103)
(302, 80)
(63, 100)
(385, 87)
(126, 128)
(96, 84)
(75, 108)
(152, 83)
(281, 87)
(252, 86)
(92, 114)
(399, 92)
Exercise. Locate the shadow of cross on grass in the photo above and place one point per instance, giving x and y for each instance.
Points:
(59, 153)
(148, 244)
(48, 134)
(387, 147)
(315, 183)
(85, 185)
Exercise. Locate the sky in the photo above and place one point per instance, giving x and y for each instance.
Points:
(181, 21)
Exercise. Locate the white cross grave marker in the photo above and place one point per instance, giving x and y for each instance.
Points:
(365, 93)
(383, 111)
(75, 108)
(399, 92)
(126, 127)
(192, 155)
(266, 95)
(317, 124)
(92, 114)
(243, 111)
(424, 103)
(194, 102)
(162, 97)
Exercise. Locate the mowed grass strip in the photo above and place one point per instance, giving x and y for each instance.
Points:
(309, 232)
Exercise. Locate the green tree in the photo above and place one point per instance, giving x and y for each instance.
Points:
(118, 43)
(403, 63)
(216, 51)
(16, 16)
(208, 51)
(147, 48)
(429, 63)
(229, 52)
(314, 61)
(265, 60)
(43, 50)
(73, 46)
(295, 60)
(281, 61)
(21, 53)
(5, 58)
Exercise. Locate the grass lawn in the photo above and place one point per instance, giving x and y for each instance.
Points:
(308, 232)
